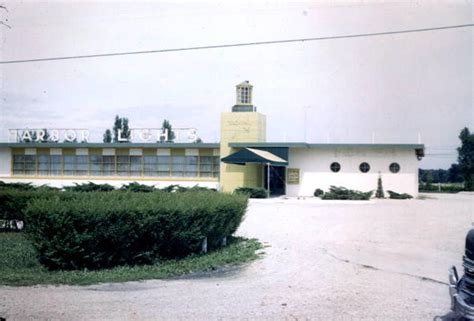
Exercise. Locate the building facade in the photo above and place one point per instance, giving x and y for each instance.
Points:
(242, 158)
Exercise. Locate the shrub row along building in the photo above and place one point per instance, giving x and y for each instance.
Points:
(242, 158)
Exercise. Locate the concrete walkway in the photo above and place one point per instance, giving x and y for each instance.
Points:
(375, 260)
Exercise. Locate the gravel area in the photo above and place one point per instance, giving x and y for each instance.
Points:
(325, 260)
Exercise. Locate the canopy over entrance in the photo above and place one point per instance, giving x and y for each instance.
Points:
(252, 155)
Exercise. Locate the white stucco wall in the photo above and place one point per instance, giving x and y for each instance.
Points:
(315, 172)
(5, 161)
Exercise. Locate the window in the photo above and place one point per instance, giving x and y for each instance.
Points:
(43, 165)
(120, 165)
(55, 168)
(178, 166)
(136, 165)
(82, 165)
(108, 165)
(394, 168)
(68, 165)
(18, 164)
(216, 168)
(150, 165)
(364, 167)
(335, 167)
(206, 166)
(164, 167)
(96, 165)
(123, 165)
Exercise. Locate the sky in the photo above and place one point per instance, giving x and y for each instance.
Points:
(403, 88)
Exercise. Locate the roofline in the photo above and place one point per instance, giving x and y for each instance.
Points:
(307, 145)
(110, 145)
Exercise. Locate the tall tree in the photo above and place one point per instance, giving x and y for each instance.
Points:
(454, 174)
(108, 136)
(171, 136)
(466, 158)
(122, 125)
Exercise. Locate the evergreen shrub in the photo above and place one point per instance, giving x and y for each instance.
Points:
(102, 230)
(398, 196)
(342, 193)
(137, 188)
(89, 187)
(13, 203)
(252, 192)
(318, 192)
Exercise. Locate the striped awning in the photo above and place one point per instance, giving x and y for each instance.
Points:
(252, 155)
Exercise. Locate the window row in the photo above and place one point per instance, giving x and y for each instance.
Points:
(365, 167)
(98, 165)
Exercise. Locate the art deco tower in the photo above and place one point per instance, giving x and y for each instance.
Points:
(242, 125)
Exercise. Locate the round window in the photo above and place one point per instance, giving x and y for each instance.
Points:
(364, 167)
(335, 167)
(394, 168)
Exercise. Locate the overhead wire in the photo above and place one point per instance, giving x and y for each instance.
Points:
(244, 44)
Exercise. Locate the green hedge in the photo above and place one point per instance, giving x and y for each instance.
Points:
(445, 188)
(252, 192)
(102, 230)
(342, 193)
(13, 203)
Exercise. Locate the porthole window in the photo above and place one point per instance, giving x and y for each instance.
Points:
(364, 167)
(394, 168)
(335, 167)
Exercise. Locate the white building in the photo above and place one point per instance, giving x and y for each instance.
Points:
(243, 158)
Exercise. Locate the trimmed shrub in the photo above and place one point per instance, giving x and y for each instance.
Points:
(342, 193)
(16, 186)
(178, 188)
(318, 192)
(252, 192)
(13, 204)
(89, 187)
(137, 188)
(102, 230)
(398, 196)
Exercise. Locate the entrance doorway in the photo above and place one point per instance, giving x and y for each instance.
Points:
(277, 180)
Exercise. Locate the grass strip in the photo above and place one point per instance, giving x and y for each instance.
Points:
(20, 267)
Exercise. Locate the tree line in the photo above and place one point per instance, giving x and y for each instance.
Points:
(460, 172)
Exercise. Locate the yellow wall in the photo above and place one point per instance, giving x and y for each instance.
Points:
(240, 127)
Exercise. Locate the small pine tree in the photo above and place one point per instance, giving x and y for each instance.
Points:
(379, 193)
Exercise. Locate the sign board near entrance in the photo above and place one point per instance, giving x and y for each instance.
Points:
(293, 176)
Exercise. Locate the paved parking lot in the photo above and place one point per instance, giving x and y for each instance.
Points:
(325, 260)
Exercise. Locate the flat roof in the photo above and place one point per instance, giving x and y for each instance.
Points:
(307, 145)
(110, 145)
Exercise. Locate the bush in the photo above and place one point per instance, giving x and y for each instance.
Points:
(178, 188)
(102, 230)
(13, 203)
(398, 196)
(252, 192)
(342, 193)
(16, 186)
(137, 188)
(318, 192)
(89, 187)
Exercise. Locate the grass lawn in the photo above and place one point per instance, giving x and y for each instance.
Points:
(19, 265)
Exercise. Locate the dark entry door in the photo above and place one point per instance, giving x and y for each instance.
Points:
(277, 180)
